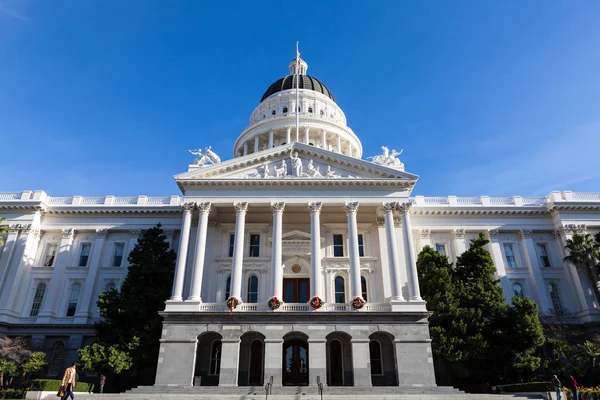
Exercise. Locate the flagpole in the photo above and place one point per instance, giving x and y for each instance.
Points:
(297, 91)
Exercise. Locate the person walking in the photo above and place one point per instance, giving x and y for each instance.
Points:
(69, 381)
(574, 388)
(557, 387)
(102, 382)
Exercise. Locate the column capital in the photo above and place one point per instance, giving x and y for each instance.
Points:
(493, 232)
(388, 208)
(404, 208)
(14, 228)
(277, 207)
(351, 207)
(204, 208)
(101, 233)
(68, 233)
(240, 208)
(188, 207)
(425, 233)
(458, 233)
(135, 232)
(525, 233)
(315, 208)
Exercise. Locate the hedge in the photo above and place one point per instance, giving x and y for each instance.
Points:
(524, 387)
(11, 394)
(52, 385)
(585, 394)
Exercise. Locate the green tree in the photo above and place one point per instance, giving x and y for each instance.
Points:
(3, 230)
(129, 332)
(35, 363)
(591, 351)
(584, 249)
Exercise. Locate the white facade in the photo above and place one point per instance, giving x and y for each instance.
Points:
(292, 217)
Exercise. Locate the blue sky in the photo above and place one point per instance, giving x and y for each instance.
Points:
(485, 97)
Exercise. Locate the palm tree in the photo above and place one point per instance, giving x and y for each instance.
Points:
(584, 249)
(591, 350)
(3, 230)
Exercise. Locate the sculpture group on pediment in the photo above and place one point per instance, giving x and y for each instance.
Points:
(388, 159)
(280, 169)
(208, 158)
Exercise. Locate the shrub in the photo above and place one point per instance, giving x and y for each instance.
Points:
(52, 385)
(11, 394)
(524, 387)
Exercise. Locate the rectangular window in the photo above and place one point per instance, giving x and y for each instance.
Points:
(361, 246)
(84, 255)
(510, 256)
(338, 245)
(50, 255)
(543, 255)
(254, 245)
(118, 255)
(231, 242)
(440, 248)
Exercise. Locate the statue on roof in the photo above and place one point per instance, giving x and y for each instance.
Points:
(388, 159)
(202, 160)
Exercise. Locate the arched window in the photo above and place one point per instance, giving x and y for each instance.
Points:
(37, 299)
(363, 287)
(215, 358)
(57, 358)
(375, 354)
(228, 287)
(340, 291)
(310, 109)
(555, 297)
(285, 110)
(273, 112)
(73, 299)
(299, 110)
(252, 290)
(517, 290)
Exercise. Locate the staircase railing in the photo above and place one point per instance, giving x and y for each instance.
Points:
(268, 387)
(320, 386)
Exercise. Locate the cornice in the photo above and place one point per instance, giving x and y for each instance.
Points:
(417, 210)
(114, 210)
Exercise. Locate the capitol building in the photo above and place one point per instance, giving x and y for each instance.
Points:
(296, 257)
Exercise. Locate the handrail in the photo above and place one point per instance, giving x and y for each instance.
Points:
(320, 386)
(268, 387)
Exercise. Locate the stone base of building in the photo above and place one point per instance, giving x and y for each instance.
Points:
(295, 349)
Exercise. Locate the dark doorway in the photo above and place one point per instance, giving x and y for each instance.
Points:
(295, 363)
(296, 290)
(256, 364)
(337, 365)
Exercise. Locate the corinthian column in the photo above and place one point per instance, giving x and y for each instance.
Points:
(409, 250)
(316, 281)
(276, 261)
(186, 223)
(198, 270)
(238, 250)
(351, 209)
(390, 236)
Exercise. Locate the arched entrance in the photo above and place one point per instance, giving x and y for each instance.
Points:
(208, 360)
(252, 355)
(295, 360)
(382, 354)
(339, 360)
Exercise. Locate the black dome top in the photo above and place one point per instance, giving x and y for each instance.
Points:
(289, 82)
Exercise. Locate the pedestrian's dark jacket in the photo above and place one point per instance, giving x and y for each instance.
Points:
(556, 383)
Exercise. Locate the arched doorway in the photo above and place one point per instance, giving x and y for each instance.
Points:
(252, 355)
(208, 360)
(383, 360)
(295, 360)
(339, 360)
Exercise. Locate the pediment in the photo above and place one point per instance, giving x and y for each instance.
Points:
(296, 235)
(294, 162)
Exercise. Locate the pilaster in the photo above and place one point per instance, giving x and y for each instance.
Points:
(230, 353)
(535, 272)
(361, 362)
(498, 257)
(83, 313)
(317, 360)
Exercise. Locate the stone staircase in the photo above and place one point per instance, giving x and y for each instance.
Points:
(298, 393)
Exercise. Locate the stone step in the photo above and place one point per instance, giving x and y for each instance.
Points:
(457, 396)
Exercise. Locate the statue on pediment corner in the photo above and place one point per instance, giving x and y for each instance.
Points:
(202, 160)
(388, 159)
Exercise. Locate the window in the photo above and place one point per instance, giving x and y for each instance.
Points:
(340, 292)
(285, 110)
(118, 255)
(543, 255)
(338, 245)
(310, 109)
(254, 245)
(299, 110)
(84, 255)
(231, 243)
(322, 112)
(228, 287)
(555, 297)
(375, 354)
(363, 287)
(273, 112)
(252, 290)
(510, 255)
(50, 255)
(215, 358)
(518, 290)
(440, 248)
(37, 299)
(73, 299)
(361, 246)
